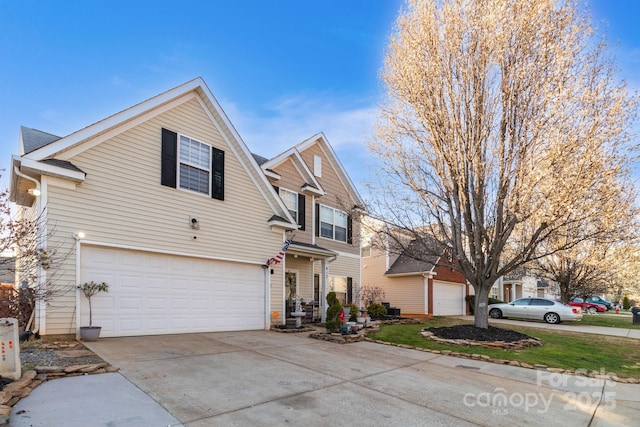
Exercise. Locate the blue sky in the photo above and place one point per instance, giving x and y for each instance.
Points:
(282, 70)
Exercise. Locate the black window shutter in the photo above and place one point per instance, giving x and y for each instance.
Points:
(169, 160)
(317, 219)
(217, 174)
(349, 229)
(349, 290)
(301, 211)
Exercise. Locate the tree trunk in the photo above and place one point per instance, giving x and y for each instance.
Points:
(482, 305)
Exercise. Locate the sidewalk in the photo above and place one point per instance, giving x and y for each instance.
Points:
(88, 401)
(568, 326)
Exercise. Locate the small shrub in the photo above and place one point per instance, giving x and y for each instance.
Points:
(377, 311)
(332, 325)
(626, 304)
(333, 312)
(354, 312)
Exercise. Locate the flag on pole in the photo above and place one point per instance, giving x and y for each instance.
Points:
(278, 258)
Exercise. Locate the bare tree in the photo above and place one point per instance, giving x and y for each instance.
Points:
(504, 126)
(596, 264)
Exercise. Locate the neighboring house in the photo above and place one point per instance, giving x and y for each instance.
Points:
(523, 284)
(417, 284)
(165, 202)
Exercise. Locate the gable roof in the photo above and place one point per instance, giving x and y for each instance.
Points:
(333, 159)
(311, 182)
(416, 258)
(32, 139)
(406, 265)
(39, 147)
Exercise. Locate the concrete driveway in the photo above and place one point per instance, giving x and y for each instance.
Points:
(273, 379)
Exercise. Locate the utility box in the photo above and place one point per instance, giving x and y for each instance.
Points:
(10, 366)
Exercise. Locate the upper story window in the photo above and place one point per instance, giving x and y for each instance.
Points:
(333, 224)
(295, 203)
(195, 164)
(317, 166)
(290, 200)
(192, 165)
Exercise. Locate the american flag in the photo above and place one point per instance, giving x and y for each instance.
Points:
(278, 258)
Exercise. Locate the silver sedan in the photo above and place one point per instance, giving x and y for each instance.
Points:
(536, 309)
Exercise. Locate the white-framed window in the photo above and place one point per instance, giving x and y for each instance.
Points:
(290, 200)
(194, 165)
(333, 224)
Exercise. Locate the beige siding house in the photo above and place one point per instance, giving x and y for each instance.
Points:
(418, 285)
(165, 202)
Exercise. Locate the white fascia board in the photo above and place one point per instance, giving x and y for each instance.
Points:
(299, 164)
(413, 273)
(278, 159)
(247, 160)
(306, 171)
(337, 166)
(282, 224)
(310, 189)
(110, 122)
(271, 174)
(335, 163)
(51, 170)
(123, 127)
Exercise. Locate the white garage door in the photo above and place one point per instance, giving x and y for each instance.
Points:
(152, 294)
(448, 299)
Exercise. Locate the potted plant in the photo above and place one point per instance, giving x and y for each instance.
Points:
(89, 289)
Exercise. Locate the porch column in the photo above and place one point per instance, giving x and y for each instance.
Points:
(323, 284)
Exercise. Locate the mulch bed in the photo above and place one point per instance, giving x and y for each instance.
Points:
(471, 332)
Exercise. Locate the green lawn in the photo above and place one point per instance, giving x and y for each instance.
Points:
(610, 320)
(567, 350)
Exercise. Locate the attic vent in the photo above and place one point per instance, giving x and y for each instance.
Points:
(317, 166)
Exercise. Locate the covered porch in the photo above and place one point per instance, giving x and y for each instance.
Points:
(306, 276)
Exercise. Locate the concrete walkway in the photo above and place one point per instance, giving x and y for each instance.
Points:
(273, 379)
(568, 326)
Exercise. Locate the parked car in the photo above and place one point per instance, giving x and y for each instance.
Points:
(592, 307)
(598, 300)
(537, 309)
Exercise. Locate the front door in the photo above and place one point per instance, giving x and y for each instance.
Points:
(290, 291)
(507, 293)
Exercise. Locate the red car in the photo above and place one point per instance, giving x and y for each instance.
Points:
(592, 308)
